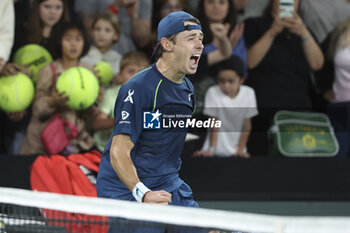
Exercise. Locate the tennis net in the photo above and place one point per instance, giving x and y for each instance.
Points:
(32, 211)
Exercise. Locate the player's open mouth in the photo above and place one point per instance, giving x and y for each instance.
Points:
(194, 60)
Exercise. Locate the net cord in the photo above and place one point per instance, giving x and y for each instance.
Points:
(184, 216)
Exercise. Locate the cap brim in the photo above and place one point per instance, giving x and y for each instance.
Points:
(154, 51)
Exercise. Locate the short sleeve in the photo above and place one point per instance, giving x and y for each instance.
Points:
(132, 100)
(209, 103)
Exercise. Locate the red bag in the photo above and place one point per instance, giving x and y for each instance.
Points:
(54, 137)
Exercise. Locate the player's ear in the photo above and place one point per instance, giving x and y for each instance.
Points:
(167, 44)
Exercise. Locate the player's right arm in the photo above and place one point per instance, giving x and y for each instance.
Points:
(124, 167)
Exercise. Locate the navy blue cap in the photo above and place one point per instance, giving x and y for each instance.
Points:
(174, 23)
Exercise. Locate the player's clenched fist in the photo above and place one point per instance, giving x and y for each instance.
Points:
(158, 197)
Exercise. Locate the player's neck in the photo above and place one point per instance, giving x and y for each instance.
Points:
(168, 71)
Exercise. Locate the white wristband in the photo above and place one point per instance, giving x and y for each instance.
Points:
(139, 191)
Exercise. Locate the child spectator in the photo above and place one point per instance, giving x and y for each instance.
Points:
(130, 64)
(134, 16)
(232, 103)
(70, 45)
(105, 33)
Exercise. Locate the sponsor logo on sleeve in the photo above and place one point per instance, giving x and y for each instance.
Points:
(129, 97)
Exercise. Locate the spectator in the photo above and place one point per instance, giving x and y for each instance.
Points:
(70, 45)
(134, 15)
(232, 103)
(105, 33)
(218, 26)
(213, 12)
(281, 55)
(162, 8)
(44, 15)
(131, 63)
(8, 135)
(7, 25)
(339, 95)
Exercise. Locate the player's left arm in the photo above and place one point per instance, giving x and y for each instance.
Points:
(243, 139)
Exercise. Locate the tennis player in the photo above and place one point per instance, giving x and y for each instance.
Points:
(142, 164)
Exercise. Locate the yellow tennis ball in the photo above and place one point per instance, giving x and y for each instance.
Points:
(16, 92)
(105, 71)
(34, 56)
(81, 85)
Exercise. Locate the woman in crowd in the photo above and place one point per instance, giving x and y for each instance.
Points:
(214, 13)
(44, 15)
(281, 55)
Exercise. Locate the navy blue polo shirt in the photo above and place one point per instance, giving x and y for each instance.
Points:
(156, 152)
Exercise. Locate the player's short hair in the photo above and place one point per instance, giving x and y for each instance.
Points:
(134, 57)
(111, 18)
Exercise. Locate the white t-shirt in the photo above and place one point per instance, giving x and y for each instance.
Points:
(94, 56)
(341, 85)
(232, 113)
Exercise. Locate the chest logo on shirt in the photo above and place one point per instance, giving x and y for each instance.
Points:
(125, 115)
(189, 96)
(152, 120)
(129, 97)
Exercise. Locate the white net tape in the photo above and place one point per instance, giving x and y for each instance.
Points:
(206, 218)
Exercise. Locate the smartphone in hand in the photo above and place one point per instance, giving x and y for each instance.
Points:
(286, 8)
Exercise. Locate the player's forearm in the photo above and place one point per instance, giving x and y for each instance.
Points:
(126, 170)
(121, 161)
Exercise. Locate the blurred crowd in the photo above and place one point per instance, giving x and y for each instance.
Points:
(258, 58)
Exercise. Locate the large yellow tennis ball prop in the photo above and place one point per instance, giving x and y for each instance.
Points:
(16, 92)
(81, 85)
(104, 71)
(34, 56)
